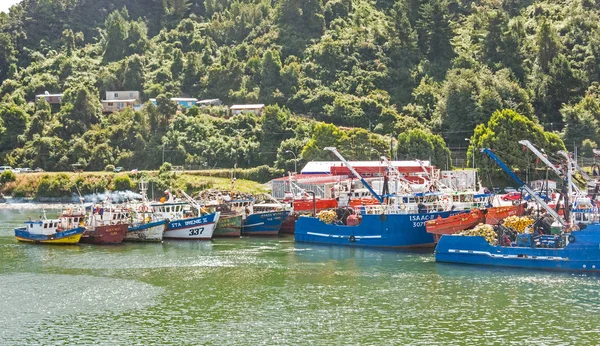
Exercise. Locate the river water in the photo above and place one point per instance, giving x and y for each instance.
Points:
(252, 291)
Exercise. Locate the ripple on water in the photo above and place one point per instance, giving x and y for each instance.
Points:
(28, 300)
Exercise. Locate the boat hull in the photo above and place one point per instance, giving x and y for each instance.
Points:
(109, 234)
(149, 232)
(228, 226)
(581, 255)
(195, 228)
(289, 225)
(267, 223)
(496, 214)
(454, 223)
(385, 230)
(71, 236)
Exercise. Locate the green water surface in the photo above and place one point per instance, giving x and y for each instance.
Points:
(270, 291)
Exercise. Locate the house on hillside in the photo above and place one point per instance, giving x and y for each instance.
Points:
(256, 109)
(119, 100)
(185, 102)
(209, 102)
(53, 99)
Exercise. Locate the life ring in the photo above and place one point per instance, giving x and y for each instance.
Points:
(571, 238)
(352, 239)
(143, 209)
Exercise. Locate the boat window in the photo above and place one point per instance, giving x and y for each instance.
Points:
(45, 225)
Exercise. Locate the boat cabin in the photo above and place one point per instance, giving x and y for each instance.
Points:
(45, 227)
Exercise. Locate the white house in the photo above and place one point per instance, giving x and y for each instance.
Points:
(256, 109)
(119, 100)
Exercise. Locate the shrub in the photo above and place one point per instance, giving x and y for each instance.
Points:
(7, 176)
(109, 168)
(57, 186)
(123, 183)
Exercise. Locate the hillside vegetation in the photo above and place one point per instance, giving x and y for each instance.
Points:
(407, 78)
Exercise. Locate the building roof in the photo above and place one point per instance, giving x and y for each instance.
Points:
(324, 167)
(47, 95)
(184, 99)
(256, 106)
(118, 100)
(209, 101)
(123, 91)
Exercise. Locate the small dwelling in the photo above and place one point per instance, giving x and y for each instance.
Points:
(119, 100)
(256, 109)
(209, 102)
(185, 102)
(53, 99)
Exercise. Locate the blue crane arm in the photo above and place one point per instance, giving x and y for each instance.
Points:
(512, 174)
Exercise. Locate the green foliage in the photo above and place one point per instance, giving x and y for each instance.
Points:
(502, 134)
(123, 183)
(419, 144)
(109, 168)
(7, 176)
(365, 69)
(56, 186)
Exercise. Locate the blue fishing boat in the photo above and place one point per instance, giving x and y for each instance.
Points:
(568, 248)
(379, 230)
(575, 251)
(398, 223)
(47, 231)
(264, 223)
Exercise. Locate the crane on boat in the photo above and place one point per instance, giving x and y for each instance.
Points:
(523, 185)
(355, 173)
(545, 160)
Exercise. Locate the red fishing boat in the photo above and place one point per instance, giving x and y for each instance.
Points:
(106, 225)
(454, 223)
(289, 225)
(496, 214)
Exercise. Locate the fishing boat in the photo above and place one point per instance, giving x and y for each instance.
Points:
(289, 224)
(49, 231)
(494, 215)
(259, 218)
(568, 247)
(398, 223)
(575, 251)
(184, 222)
(146, 231)
(147, 226)
(229, 225)
(454, 223)
(107, 224)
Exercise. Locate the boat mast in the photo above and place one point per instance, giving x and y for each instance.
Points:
(358, 176)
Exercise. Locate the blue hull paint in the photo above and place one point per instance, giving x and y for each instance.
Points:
(581, 255)
(390, 230)
(23, 233)
(191, 222)
(142, 227)
(268, 223)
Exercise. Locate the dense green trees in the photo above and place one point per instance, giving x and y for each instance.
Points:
(347, 73)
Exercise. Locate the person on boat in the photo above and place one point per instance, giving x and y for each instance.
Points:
(505, 240)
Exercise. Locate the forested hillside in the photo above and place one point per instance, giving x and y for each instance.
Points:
(411, 76)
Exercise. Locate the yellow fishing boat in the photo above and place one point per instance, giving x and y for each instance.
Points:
(48, 231)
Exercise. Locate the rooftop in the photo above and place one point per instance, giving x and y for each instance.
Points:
(256, 106)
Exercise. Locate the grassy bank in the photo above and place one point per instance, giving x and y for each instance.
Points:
(65, 184)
